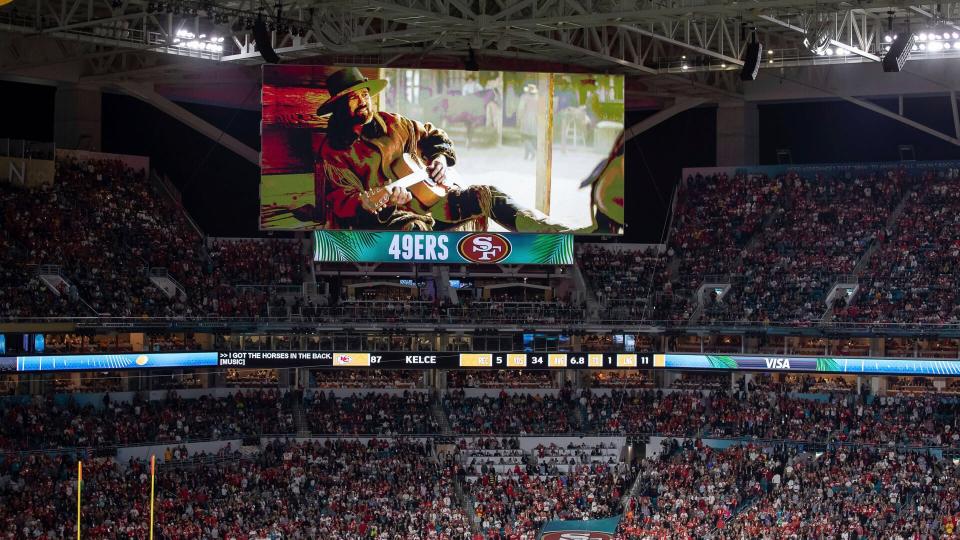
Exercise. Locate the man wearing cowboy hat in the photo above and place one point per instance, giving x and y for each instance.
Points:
(363, 144)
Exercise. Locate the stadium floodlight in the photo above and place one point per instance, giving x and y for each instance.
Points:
(899, 51)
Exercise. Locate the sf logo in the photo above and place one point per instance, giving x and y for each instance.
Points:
(484, 247)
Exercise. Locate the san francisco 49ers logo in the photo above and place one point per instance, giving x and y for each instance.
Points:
(484, 247)
(576, 535)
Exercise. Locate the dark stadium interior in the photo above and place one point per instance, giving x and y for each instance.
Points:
(769, 350)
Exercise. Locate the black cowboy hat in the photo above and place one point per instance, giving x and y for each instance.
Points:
(340, 83)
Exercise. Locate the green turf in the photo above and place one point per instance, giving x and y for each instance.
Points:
(289, 191)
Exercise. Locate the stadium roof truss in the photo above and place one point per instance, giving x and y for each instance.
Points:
(679, 53)
(633, 36)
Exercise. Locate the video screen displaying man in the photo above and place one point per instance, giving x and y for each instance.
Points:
(430, 150)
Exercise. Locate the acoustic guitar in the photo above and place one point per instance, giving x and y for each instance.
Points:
(413, 176)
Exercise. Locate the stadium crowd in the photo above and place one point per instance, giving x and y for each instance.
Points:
(371, 413)
(781, 241)
(858, 492)
(298, 490)
(47, 423)
(922, 420)
(505, 413)
(908, 418)
(690, 490)
(257, 261)
(517, 505)
(911, 278)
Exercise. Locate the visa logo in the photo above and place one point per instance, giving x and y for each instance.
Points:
(777, 363)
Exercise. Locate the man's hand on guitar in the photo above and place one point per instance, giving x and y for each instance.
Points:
(375, 200)
(437, 169)
(399, 196)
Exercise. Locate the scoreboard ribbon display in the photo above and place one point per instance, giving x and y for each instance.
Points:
(814, 364)
(435, 360)
(477, 360)
(443, 247)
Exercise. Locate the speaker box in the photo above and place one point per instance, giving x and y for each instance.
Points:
(751, 62)
(262, 36)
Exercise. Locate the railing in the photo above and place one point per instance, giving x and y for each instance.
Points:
(49, 270)
(162, 273)
(567, 318)
(278, 289)
(18, 148)
(716, 278)
(818, 445)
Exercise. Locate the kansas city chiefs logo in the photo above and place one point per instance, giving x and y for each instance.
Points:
(344, 359)
(576, 535)
(484, 247)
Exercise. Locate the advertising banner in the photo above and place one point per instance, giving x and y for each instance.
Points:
(93, 362)
(865, 366)
(592, 529)
(443, 247)
(400, 149)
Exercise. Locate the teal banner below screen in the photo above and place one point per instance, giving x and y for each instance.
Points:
(593, 529)
(443, 247)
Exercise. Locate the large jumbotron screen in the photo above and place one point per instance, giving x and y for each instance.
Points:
(441, 150)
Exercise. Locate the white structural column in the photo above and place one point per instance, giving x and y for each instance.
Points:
(77, 119)
(738, 126)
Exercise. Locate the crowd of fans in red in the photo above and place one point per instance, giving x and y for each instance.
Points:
(104, 226)
(304, 490)
(505, 413)
(355, 489)
(857, 492)
(783, 242)
(372, 413)
(44, 423)
(517, 505)
(691, 490)
(922, 420)
(912, 277)
(916, 419)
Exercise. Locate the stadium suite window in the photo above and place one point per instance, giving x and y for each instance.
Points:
(546, 342)
(461, 343)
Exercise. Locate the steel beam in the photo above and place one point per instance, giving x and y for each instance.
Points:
(834, 42)
(148, 95)
(904, 120)
(662, 115)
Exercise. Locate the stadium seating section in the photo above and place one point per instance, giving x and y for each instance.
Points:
(728, 465)
(388, 455)
(781, 243)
